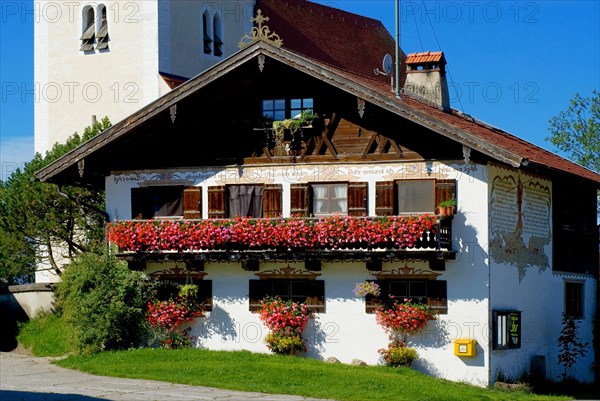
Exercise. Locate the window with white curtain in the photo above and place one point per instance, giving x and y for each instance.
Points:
(330, 199)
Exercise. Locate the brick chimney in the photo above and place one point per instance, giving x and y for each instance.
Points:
(426, 78)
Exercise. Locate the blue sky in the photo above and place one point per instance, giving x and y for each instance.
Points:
(513, 64)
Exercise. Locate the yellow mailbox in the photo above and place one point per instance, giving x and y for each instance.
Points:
(465, 347)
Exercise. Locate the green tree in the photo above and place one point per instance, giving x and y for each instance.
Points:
(103, 303)
(576, 131)
(40, 221)
(570, 346)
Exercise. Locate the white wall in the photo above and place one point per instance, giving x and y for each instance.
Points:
(345, 330)
(71, 85)
(180, 28)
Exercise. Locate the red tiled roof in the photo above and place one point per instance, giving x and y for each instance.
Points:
(424, 57)
(503, 139)
(328, 35)
(172, 80)
(485, 132)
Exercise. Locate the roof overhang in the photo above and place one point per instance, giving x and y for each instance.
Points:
(340, 79)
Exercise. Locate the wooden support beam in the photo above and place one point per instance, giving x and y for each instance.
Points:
(374, 264)
(308, 149)
(327, 134)
(194, 265)
(313, 264)
(396, 147)
(437, 265)
(251, 265)
(373, 141)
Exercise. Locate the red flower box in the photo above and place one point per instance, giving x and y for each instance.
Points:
(335, 232)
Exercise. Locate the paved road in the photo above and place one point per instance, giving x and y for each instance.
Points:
(23, 377)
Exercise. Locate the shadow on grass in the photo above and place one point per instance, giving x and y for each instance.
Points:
(575, 390)
(29, 396)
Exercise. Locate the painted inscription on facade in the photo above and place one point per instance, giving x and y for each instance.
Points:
(520, 229)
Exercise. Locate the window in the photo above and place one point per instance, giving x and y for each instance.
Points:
(506, 330)
(217, 35)
(245, 201)
(310, 292)
(412, 196)
(153, 202)
(322, 199)
(280, 109)
(298, 105)
(574, 227)
(168, 287)
(206, 39)
(88, 36)
(166, 201)
(574, 299)
(416, 196)
(330, 199)
(102, 34)
(274, 109)
(430, 292)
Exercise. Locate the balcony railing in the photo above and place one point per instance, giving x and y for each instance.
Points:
(287, 235)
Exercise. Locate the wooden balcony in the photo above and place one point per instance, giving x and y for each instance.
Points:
(422, 237)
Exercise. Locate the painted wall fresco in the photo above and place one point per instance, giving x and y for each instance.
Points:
(520, 219)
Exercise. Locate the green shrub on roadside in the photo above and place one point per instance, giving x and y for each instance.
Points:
(103, 303)
(46, 335)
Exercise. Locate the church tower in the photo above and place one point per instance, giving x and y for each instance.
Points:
(111, 58)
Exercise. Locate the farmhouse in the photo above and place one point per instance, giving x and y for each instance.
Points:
(201, 185)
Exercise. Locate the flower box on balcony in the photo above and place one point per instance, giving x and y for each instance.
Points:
(281, 234)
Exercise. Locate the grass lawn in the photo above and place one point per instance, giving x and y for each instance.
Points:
(284, 375)
(45, 336)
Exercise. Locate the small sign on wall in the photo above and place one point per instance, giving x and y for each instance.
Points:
(506, 329)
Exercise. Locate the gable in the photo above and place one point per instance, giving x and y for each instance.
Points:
(210, 120)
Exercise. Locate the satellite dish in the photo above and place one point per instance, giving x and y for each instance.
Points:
(388, 64)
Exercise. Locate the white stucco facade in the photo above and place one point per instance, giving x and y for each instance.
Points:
(475, 286)
(345, 330)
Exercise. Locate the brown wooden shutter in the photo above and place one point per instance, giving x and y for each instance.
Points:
(315, 296)
(444, 190)
(437, 297)
(385, 198)
(192, 203)
(205, 297)
(216, 202)
(272, 201)
(300, 199)
(259, 290)
(357, 199)
(141, 204)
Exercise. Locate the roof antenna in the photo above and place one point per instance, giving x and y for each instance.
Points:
(387, 69)
(397, 49)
